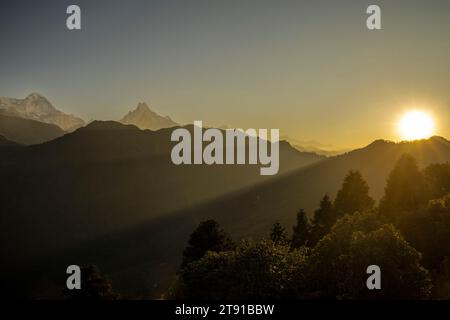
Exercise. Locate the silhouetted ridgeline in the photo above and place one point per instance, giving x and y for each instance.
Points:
(108, 194)
(25, 131)
(104, 178)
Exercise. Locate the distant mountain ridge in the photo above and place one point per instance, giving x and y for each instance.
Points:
(144, 118)
(26, 131)
(37, 107)
(315, 147)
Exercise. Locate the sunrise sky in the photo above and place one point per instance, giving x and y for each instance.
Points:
(310, 68)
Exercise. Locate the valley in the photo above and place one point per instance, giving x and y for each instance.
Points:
(123, 206)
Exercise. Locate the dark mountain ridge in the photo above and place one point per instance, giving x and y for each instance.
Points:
(106, 177)
(141, 250)
(26, 131)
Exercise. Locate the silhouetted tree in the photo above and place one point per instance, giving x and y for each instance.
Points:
(278, 234)
(324, 215)
(94, 286)
(344, 239)
(207, 237)
(442, 282)
(418, 203)
(437, 180)
(428, 230)
(337, 265)
(353, 196)
(324, 218)
(264, 270)
(405, 189)
(260, 270)
(301, 231)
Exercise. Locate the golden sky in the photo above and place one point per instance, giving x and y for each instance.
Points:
(309, 68)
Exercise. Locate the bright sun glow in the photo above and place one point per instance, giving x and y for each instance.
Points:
(416, 125)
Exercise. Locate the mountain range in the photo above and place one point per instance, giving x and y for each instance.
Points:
(314, 146)
(105, 177)
(108, 194)
(35, 120)
(38, 108)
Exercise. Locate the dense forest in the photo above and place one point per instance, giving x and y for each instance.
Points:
(407, 234)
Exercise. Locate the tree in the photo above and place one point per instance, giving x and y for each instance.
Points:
(403, 276)
(437, 179)
(94, 286)
(278, 234)
(301, 231)
(428, 230)
(264, 270)
(324, 218)
(334, 268)
(405, 189)
(261, 270)
(207, 237)
(324, 215)
(442, 288)
(337, 265)
(353, 196)
(209, 278)
(418, 203)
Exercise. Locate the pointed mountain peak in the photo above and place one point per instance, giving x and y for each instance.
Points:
(35, 96)
(142, 107)
(144, 118)
(37, 107)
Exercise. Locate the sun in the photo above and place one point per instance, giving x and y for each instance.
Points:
(415, 125)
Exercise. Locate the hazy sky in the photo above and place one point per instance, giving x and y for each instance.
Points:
(310, 68)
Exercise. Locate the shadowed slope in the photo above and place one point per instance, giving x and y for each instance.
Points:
(28, 132)
(104, 178)
(143, 259)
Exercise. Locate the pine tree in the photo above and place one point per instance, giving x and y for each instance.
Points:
(437, 179)
(278, 234)
(405, 189)
(324, 215)
(353, 196)
(324, 218)
(302, 231)
(207, 237)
